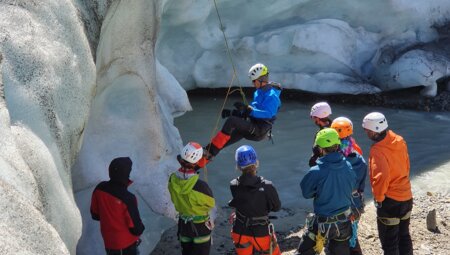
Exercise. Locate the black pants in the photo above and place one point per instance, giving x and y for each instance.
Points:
(357, 249)
(337, 244)
(395, 240)
(130, 250)
(192, 230)
(196, 249)
(239, 128)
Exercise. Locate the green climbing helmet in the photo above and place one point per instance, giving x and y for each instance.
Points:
(327, 137)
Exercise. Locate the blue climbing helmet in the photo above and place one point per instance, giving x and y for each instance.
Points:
(245, 156)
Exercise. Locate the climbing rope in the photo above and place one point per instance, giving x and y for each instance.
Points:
(229, 53)
(229, 91)
(213, 132)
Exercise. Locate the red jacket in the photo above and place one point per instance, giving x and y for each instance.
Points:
(116, 209)
(389, 169)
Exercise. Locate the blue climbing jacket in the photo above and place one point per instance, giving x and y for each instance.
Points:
(266, 102)
(330, 183)
(359, 166)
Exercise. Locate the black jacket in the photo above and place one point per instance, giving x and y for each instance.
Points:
(253, 198)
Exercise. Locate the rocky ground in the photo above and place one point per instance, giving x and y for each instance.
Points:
(289, 225)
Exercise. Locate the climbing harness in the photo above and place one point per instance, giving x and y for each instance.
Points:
(249, 222)
(357, 211)
(192, 220)
(196, 240)
(392, 221)
(252, 221)
(324, 225)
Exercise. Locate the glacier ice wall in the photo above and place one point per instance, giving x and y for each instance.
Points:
(58, 110)
(131, 115)
(347, 47)
(47, 82)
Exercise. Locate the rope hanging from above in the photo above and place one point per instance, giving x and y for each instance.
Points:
(229, 91)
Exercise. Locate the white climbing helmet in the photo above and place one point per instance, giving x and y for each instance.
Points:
(375, 122)
(320, 110)
(192, 152)
(257, 71)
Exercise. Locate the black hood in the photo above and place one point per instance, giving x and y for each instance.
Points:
(252, 182)
(119, 170)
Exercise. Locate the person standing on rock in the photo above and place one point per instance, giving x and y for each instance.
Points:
(193, 200)
(330, 183)
(389, 177)
(320, 115)
(116, 209)
(253, 199)
(252, 122)
(353, 154)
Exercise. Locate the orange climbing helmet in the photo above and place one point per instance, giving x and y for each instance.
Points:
(343, 126)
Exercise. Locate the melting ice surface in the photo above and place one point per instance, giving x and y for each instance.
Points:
(286, 161)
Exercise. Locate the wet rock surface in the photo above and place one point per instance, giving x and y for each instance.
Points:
(400, 99)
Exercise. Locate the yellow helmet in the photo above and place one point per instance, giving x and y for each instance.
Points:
(257, 71)
(343, 126)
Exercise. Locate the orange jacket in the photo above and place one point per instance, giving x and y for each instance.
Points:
(389, 169)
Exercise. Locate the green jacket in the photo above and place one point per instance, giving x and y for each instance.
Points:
(191, 197)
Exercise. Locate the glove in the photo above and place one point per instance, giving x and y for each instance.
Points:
(226, 113)
(244, 110)
(240, 106)
(236, 113)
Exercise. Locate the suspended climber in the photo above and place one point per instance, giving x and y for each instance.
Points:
(253, 121)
